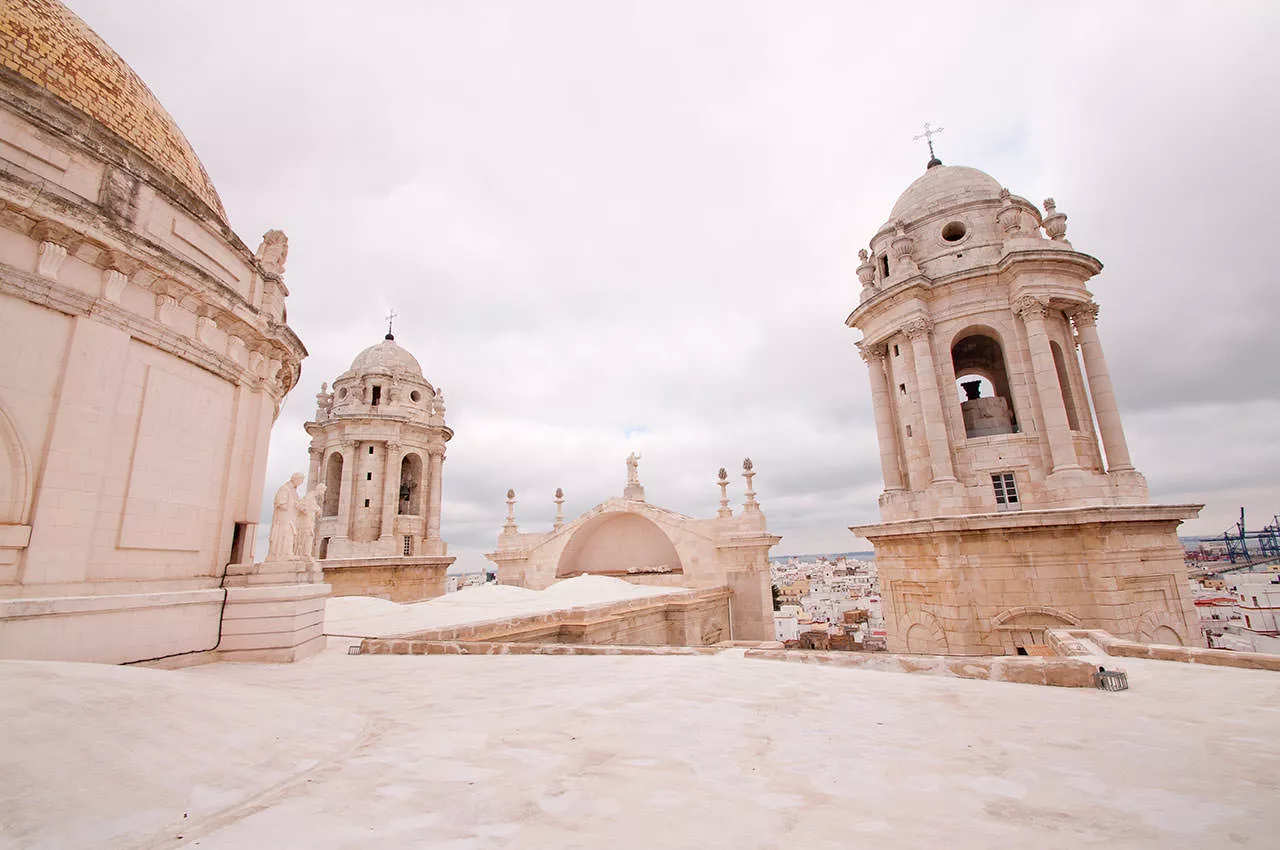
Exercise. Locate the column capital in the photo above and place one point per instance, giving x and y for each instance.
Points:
(1084, 314)
(1029, 306)
(872, 352)
(393, 446)
(917, 328)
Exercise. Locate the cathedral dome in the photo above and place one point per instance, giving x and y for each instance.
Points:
(944, 186)
(385, 358)
(46, 44)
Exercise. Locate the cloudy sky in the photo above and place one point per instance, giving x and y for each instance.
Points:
(611, 226)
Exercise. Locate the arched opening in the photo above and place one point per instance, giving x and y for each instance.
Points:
(619, 544)
(333, 484)
(980, 368)
(1165, 635)
(1020, 628)
(411, 485)
(1064, 383)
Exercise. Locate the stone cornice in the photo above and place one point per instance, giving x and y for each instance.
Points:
(380, 427)
(84, 223)
(102, 243)
(1035, 259)
(1012, 521)
(72, 302)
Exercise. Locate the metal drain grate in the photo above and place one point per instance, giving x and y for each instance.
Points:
(1110, 680)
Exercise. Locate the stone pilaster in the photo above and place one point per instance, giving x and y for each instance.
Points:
(390, 491)
(347, 499)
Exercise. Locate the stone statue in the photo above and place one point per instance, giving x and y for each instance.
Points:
(308, 514)
(633, 468)
(273, 251)
(284, 520)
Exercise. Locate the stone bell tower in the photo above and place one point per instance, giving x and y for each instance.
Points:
(1002, 512)
(378, 446)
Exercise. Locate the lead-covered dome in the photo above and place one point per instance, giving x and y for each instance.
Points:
(45, 43)
(943, 186)
(385, 358)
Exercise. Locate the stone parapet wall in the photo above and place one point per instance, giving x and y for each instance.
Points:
(396, 579)
(1065, 642)
(1058, 672)
(688, 619)
(391, 646)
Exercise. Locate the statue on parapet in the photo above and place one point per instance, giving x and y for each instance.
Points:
(308, 515)
(633, 468)
(284, 520)
(273, 252)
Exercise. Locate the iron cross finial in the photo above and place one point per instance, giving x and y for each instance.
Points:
(927, 135)
(390, 318)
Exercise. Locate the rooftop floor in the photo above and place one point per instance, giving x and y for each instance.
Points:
(604, 751)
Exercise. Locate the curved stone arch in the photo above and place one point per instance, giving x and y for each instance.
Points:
(922, 634)
(618, 541)
(980, 349)
(1158, 627)
(1009, 615)
(15, 474)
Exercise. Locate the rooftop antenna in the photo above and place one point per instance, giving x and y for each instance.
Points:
(391, 318)
(927, 135)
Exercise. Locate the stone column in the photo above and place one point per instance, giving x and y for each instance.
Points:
(390, 490)
(347, 502)
(1045, 373)
(433, 508)
(1085, 318)
(313, 470)
(935, 424)
(886, 434)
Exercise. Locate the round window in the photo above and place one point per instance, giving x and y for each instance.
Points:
(342, 393)
(415, 396)
(954, 231)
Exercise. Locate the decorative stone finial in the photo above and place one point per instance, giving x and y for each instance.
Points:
(273, 252)
(750, 505)
(559, 500)
(866, 275)
(902, 247)
(723, 481)
(1055, 223)
(510, 526)
(1009, 216)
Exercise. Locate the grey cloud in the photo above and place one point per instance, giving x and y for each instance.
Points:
(634, 225)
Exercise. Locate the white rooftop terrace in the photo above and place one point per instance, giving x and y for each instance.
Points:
(607, 751)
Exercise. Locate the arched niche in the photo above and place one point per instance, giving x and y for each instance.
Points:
(411, 485)
(15, 475)
(333, 484)
(618, 543)
(923, 635)
(982, 380)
